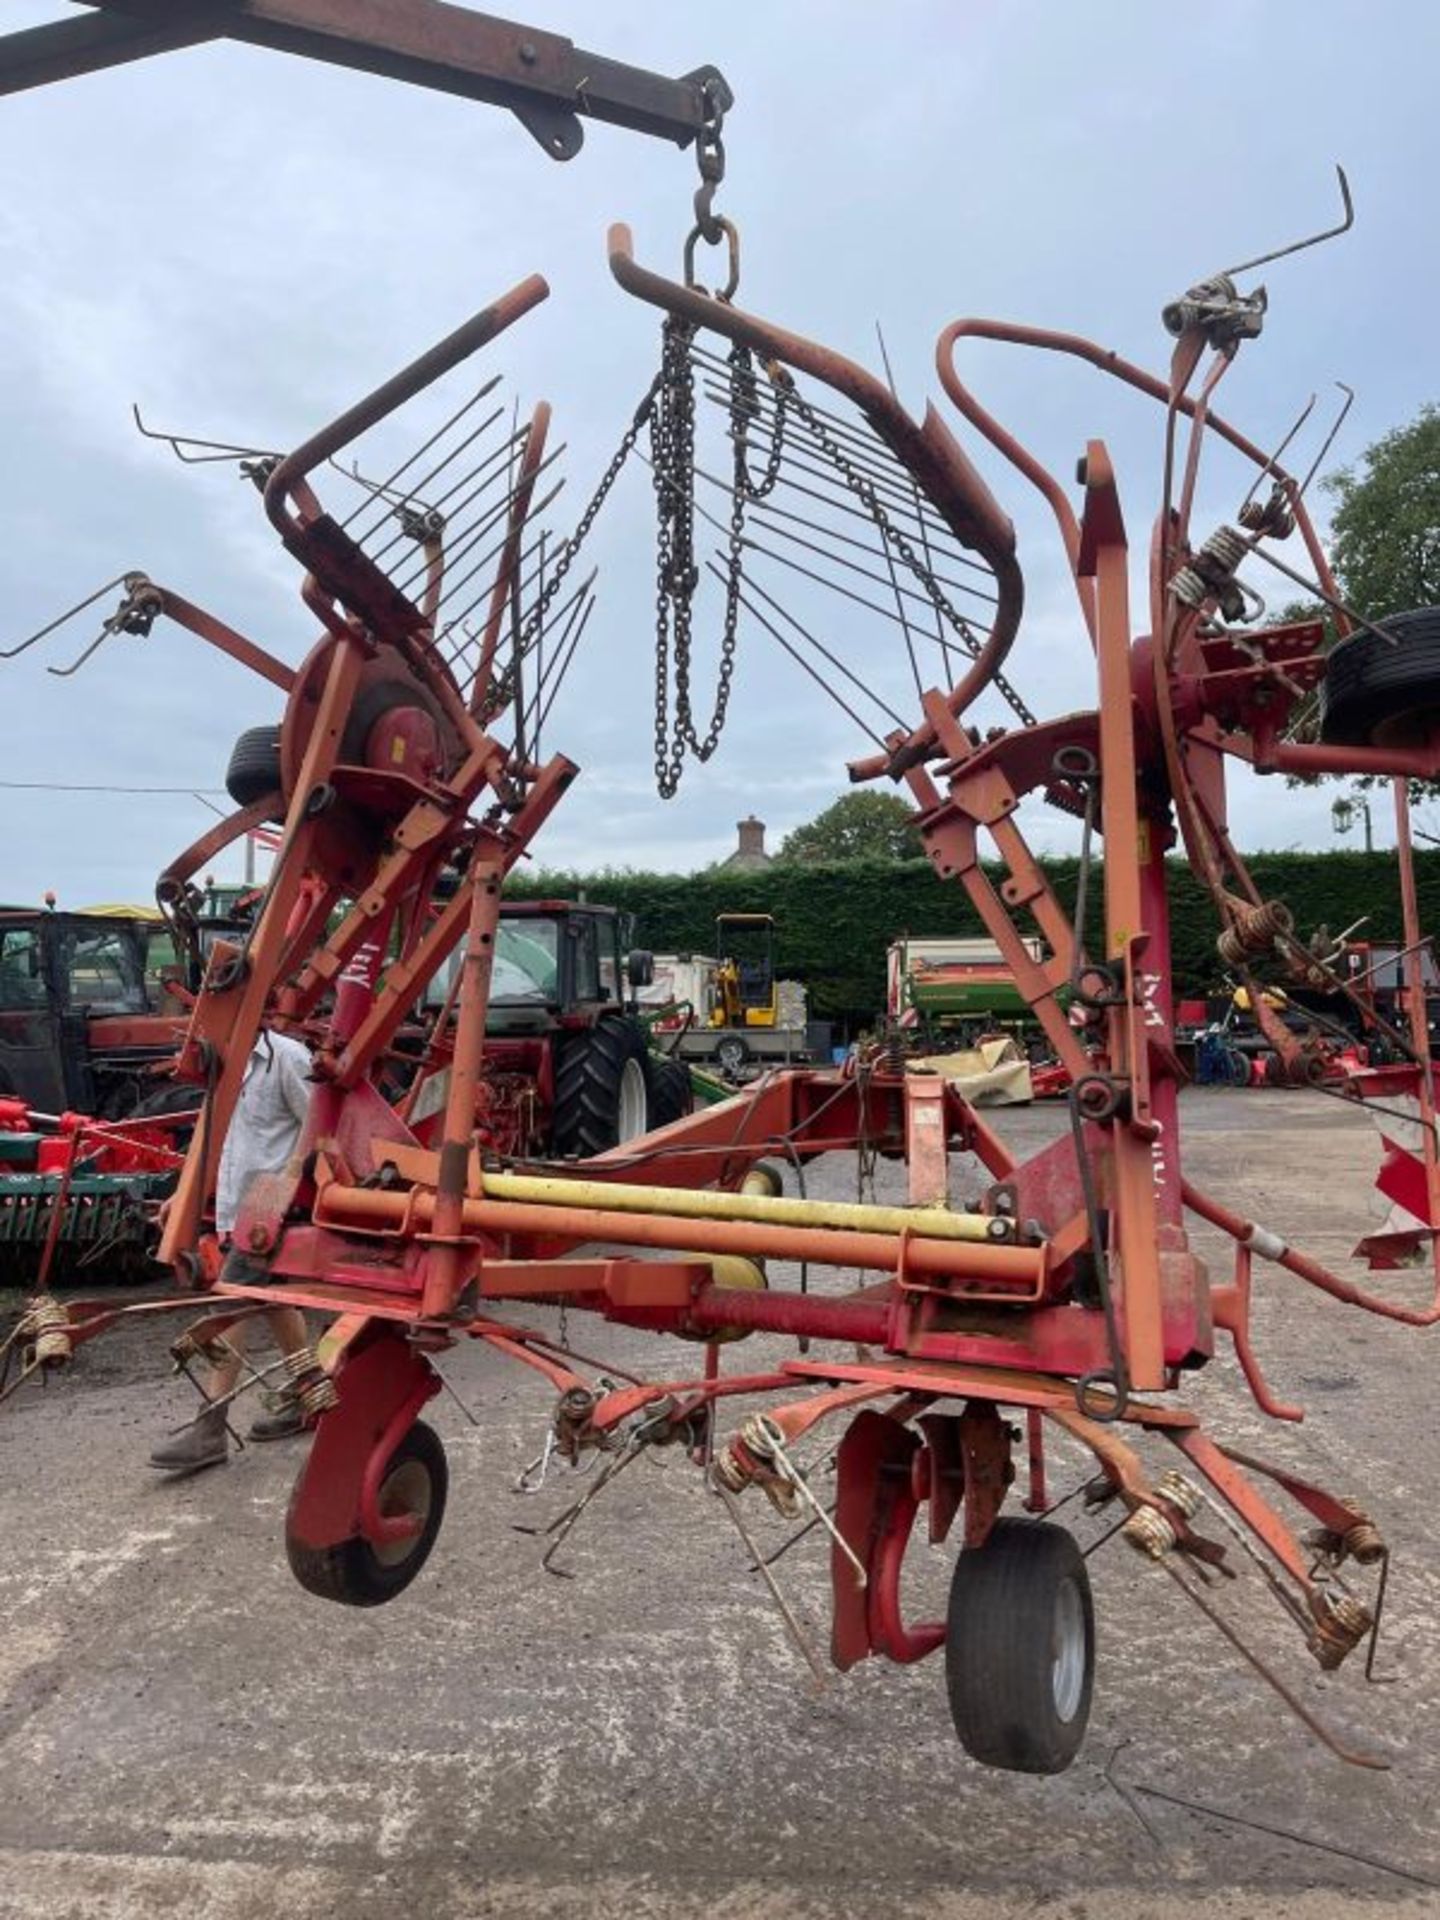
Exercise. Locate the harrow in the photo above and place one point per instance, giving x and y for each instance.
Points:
(1064, 1294)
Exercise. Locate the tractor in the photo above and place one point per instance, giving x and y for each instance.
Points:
(93, 1128)
(83, 1018)
(92, 1010)
(568, 1068)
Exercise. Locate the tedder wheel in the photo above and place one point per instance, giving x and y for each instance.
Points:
(254, 768)
(1376, 694)
(360, 1575)
(671, 1097)
(602, 1093)
(1020, 1648)
(731, 1055)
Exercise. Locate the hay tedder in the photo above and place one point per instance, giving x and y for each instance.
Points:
(1057, 1293)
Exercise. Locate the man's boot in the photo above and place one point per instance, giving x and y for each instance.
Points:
(205, 1444)
(283, 1418)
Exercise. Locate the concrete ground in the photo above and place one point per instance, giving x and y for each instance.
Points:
(184, 1731)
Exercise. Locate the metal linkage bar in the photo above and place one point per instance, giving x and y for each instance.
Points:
(545, 80)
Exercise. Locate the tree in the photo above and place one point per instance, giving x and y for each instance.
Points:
(1385, 545)
(858, 826)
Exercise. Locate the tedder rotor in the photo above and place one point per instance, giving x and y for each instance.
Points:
(1065, 1295)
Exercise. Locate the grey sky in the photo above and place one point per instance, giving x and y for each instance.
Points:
(244, 243)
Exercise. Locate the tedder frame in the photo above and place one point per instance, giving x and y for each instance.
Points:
(1065, 1294)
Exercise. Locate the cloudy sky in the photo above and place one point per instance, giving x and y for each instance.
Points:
(243, 243)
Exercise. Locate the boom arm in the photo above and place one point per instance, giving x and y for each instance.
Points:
(545, 80)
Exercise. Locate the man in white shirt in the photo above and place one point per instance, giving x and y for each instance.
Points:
(263, 1133)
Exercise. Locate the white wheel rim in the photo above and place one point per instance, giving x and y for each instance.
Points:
(632, 1106)
(1067, 1671)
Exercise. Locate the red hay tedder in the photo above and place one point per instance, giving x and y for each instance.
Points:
(1067, 1294)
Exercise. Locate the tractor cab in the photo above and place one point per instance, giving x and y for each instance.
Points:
(557, 962)
(557, 959)
(75, 1009)
(746, 993)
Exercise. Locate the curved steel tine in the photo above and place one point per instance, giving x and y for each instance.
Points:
(64, 673)
(1273, 461)
(1349, 393)
(216, 449)
(1312, 240)
(10, 653)
(376, 488)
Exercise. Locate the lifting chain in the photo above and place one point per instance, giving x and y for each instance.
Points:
(672, 432)
(710, 158)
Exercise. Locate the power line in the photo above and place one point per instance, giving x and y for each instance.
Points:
(64, 786)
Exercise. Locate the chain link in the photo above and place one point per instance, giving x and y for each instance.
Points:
(672, 431)
(710, 157)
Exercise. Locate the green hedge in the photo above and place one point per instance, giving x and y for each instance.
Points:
(833, 923)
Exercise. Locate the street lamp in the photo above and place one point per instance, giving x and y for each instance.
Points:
(1342, 816)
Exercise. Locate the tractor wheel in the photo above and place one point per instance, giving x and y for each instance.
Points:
(254, 768)
(1379, 695)
(1020, 1648)
(177, 1097)
(602, 1096)
(731, 1055)
(671, 1096)
(358, 1574)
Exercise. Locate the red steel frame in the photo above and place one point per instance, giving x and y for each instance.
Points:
(1004, 1318)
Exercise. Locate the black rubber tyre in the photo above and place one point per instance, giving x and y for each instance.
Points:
(731, 1055)
(1375, 694)
(176, 1097)
(356, 1574)
(254, 768)
(601, 1088)
(671, 1095)
(1237, 1068)
(1020, 1648)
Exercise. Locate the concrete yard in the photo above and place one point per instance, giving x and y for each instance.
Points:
(184, 1731)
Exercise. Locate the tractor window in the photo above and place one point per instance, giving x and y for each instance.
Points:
(609, 963)
(104, 971)
(587, 959)
(525, 961)
(22, 980)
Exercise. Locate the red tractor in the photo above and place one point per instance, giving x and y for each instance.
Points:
(568, 1070)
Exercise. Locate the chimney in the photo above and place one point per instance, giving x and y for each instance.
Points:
(752, 836)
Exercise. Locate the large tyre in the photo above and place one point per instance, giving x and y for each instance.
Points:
(178, 1096)
(254, 768)
(602, 1096)
(357, 1574)
(1020, 1648)
(1376, 694)
(671, 1095)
